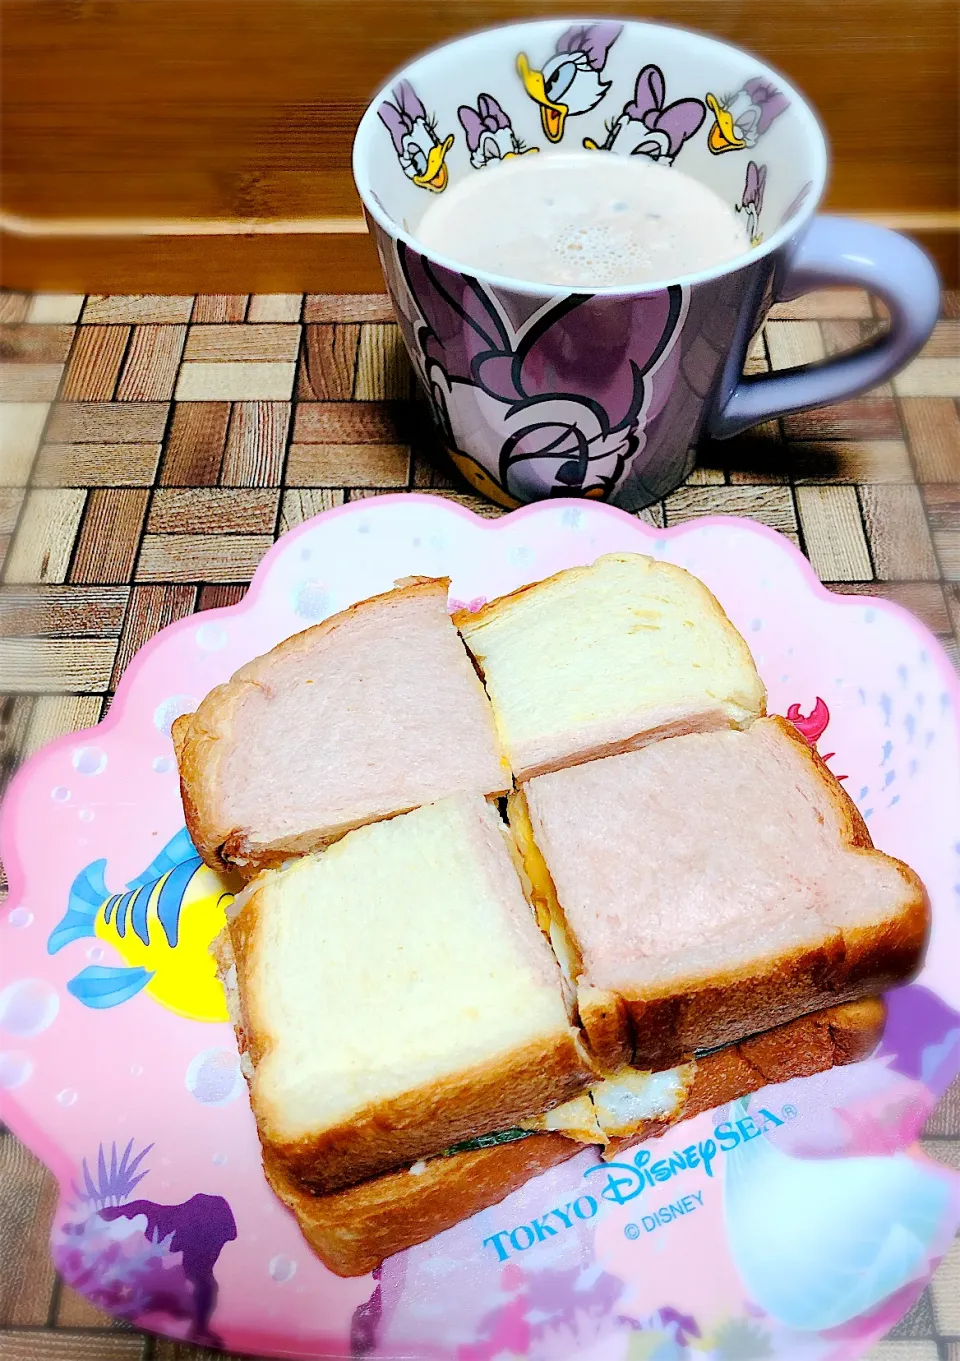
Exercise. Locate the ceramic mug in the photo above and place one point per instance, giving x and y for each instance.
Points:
(601, 392)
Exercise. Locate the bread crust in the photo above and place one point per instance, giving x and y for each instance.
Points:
(658, 1029)
(479, 1099)
(663, 723)
(353, 1230)
(201, 740)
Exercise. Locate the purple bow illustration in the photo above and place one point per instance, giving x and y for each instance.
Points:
(768, 99)
(421, 154)
(662, 128)
(489, 132)
(593, 40)
(559, 396)
(751, 202)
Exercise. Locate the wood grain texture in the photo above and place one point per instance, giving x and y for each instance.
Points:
(220, 597)
(771, 506)
(350, 423)
(275, 307)
(357, 465)
(52, 665)
(72, 1346)
(47, 308)
(110, 536)
(898, 534)
(302, 503)
(106, 422)
(932, 426)
(201, 557)
(198, 435)
(35, 344)
(20, 432)
(256, 444)
(849, 461)
(213, 510)
(96, 465)
(95, 364)
(862, 418)
(383, 369)
(29, 382)
(151, 609)
(150, 367)
(144, 307)
(347, 307)
(53, 716)
(833, 533)
(71, 611)
(259, 342)
(26, 1210)
(43, 544)
(328, 363)
(214, 307)
(235, 381)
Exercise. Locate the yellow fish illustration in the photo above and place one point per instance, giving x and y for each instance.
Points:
(162, 926)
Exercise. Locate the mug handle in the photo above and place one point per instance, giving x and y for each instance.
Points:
(840, 250)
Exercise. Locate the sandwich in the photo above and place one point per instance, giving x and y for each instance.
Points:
(370, 713)
(522, 882)
(709, 887)
(354, 1229)
(396, 996)
(601, 659)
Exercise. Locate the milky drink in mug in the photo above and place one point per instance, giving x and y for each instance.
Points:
(597, 381)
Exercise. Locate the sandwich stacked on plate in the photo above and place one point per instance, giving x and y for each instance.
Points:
(523, 880)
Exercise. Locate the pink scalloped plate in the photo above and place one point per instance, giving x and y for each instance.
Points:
(799, 1223)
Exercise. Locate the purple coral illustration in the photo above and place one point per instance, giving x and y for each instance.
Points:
(559, 396)
(489, 132)
(569, 82)
(650, 127)
(136, 1258)
(751, 200)
(741, 119)
(421, 153)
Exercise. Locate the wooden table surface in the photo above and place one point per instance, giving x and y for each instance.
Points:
(152, 448)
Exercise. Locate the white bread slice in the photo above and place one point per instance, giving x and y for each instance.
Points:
(396, 996)
(373, 712)
(710, 887)
(353, 1230)
(600, 659)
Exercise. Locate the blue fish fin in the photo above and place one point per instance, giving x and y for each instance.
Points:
(87, 892)
(102, 986)
(178, 849)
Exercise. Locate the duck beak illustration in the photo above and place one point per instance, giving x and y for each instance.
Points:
(512, 155)
(436, 174)
(590, 144)
(722, 136)
(552, 116)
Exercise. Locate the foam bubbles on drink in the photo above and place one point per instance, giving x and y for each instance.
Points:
(583, 219)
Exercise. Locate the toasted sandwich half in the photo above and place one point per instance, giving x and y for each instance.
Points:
(371, 713)
(601, 659)
(394, 995)
(354, 1229)
(710, 887)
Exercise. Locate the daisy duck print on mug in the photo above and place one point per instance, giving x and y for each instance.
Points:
(582, 225)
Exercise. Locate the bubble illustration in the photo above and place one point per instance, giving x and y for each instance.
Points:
(60, 794)
(89, 760)
(14, 1070)
(28, 1007)
(282, 1268)
(86, 815)
(169, 709)
(211, 637)
(311, 600)
(20, 917)
(163, 764)
(68, 1097)
(214, 1077)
